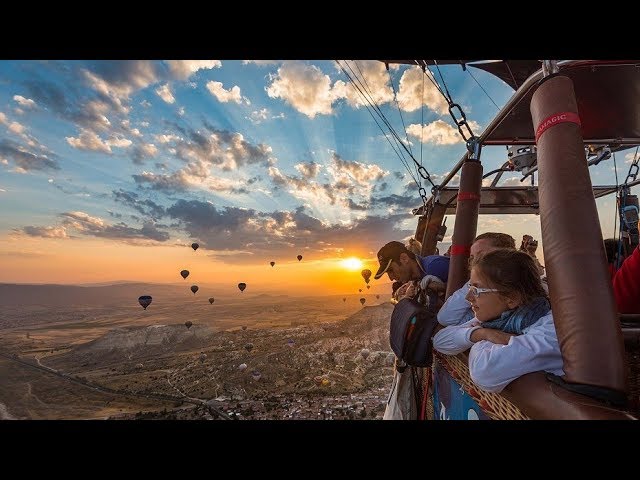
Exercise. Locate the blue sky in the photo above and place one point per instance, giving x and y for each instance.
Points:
(251, 159)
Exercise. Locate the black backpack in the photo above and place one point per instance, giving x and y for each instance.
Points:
(411, 329)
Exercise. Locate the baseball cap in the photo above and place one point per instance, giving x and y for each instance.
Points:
(390, 252)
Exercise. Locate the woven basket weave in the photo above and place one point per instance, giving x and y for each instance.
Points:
(495, 406)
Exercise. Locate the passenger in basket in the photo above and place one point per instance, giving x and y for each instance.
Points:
(413, 271)
(512, 332)
(457, 309)
(626, 283)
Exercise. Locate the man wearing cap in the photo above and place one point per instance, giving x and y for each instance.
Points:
(400, 264)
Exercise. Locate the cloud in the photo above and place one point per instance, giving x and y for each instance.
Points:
(350, 172)
(146, 207)
(304, 87)
(118, 79)
(308, 170)
(143, 151)
(224, 149)
(350, 184)
(24, 102)
(233, 95)
(233, 229)
(371, 77)
(119, 142)
(167, 138)
(397, 201)
(95, 226)
(88, 140)
(175, 182)
(164, 92)
(45, 232)
(440, 132)
(628, 158)
(411, 95)
(262, 63)
(183, 69)
(26, 160)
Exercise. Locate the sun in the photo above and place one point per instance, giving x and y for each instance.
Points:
(351, 263)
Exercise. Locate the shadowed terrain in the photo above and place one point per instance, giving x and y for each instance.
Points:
(305, 357)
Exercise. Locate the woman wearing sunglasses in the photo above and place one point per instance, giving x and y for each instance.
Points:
(512, 332)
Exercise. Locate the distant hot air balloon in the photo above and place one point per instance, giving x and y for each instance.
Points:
(194, 288)
(325, 381)
(290, 342)
(362, 300)
(188, 324)
(203, 357)
(360, 290)
(242, 366)
(145, 301)
(211, 300)
(272, 263)
(344, 299)
(194, 246)
(365, 353)
(244, 327)
(249, 346)
(368, 287)
(366, 273)
(184, 273)
(299, 257)
(242, 286)
(378, 296)
(256, 375)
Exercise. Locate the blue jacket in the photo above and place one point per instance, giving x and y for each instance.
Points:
(437, 265)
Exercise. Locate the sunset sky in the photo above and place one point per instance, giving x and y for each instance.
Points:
(110, 169)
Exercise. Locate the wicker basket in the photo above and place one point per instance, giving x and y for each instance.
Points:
(495, 406)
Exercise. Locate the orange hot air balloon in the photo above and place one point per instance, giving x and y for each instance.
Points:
(184, 273)
(211, 300)
(194, 288)
(366, 273)
(272, 263)
(194, 246)
(188, 324)
(362, 300)
(242, 286)
(299, 257)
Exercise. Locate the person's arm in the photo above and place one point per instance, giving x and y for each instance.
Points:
(493, 366)
(491, 335)
(455, 338)
(456, 310)
(626, 284)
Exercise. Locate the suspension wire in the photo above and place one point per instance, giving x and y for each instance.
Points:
(370, 100)
(406, 134)
(402, 160)
(511, 73)
(469, 71)
(422, 171)
(443, 82)
(395, 97)
(421, 120)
